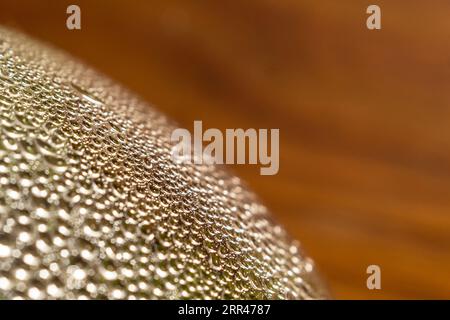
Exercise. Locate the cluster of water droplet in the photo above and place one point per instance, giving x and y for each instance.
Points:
(92, 205)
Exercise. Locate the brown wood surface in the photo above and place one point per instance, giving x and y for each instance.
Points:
(364, 116)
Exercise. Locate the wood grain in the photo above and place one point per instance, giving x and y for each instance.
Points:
(364, 116)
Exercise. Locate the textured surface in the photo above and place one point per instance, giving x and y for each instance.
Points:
(92, 206)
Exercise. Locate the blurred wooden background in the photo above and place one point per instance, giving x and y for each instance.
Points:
(364, 116)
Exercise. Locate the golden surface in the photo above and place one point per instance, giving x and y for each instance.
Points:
(92, 204)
